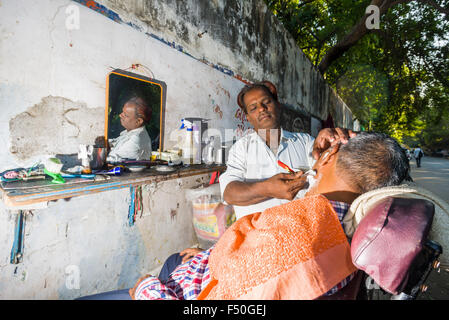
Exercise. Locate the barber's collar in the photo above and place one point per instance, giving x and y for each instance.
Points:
(132, 131)
(285, 136)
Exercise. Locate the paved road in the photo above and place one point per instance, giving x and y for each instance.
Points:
(434, 176)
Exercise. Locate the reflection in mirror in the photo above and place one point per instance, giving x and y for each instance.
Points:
(135, 115)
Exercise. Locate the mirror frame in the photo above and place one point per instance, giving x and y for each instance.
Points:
(138, 77)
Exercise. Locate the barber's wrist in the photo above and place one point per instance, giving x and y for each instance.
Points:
(263, 188)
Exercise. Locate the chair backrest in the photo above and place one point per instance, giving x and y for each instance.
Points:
(389, 239)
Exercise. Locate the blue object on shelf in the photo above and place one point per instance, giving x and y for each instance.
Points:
(75, 175)
(116, 171)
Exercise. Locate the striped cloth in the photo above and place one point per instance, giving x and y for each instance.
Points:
(184, 283)
(190, 278)
(341, 208)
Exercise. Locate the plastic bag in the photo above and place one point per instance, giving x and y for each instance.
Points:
(211, 217)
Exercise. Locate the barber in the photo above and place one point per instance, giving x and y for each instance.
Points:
(253, 180)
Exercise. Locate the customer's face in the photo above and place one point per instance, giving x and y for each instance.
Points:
(325, 168)
(128, 118)
(262, 110)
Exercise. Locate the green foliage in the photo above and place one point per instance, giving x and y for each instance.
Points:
(395, 79)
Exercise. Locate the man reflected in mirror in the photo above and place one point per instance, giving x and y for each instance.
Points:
(133, 142)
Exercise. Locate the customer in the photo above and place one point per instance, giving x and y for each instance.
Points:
(251, 260)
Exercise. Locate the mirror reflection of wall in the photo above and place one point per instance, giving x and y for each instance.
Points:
(139, 94)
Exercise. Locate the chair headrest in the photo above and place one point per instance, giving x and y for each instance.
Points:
(389, 238)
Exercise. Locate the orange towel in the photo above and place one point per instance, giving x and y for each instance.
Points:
(294, 251)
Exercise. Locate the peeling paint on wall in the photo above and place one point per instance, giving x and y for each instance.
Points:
(100, 9)
(173, 213)
(248, 44)
(218, 111)
(116, 17)
(55, 125)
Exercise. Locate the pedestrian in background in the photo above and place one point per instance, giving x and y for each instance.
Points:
(418, 154)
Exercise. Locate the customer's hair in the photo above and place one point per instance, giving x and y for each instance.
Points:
(266, 85)
(373, 160)
(142, 109)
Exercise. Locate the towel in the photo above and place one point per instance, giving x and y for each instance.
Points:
(293, 251)
(439, 231)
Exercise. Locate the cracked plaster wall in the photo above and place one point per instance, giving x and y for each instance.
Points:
(59, 124)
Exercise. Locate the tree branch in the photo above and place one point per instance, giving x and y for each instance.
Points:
(357, 32)
(304, 3)
(436, 6)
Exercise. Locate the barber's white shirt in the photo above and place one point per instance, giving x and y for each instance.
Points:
(133, 144)
(251, 160)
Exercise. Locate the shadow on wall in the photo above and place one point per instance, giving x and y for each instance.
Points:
(294, 120)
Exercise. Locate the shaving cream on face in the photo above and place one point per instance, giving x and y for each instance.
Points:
(311, 182)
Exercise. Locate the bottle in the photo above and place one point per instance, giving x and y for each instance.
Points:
(209, 152)
(178, 135)
(181, 134)
(86, 166)
(187, 144)
(85, 153)
(196, 144)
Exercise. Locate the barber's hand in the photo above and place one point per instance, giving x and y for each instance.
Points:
(285, 185)
(189, 253)
(328, 137)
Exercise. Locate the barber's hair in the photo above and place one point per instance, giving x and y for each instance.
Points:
(373, 160)
(142, 109)
(266, 85)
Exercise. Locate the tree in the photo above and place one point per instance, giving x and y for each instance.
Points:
(392, 77)
(360, 29)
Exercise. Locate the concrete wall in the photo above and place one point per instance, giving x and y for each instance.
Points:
(85, 245)
(52, 98)
(244, 39)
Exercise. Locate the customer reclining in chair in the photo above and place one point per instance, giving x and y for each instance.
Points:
(296, 250)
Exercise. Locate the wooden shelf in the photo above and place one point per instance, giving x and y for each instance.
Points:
(21, 196)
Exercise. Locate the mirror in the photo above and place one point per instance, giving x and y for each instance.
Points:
(121, 86)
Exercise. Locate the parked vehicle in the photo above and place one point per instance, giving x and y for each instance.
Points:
(440, 153)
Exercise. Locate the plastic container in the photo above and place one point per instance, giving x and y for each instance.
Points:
(209, 151)
(187, 143)
(178, 136)
(210, 217)
(196, 144)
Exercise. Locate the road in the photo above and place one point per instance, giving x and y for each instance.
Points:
(433, 175)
